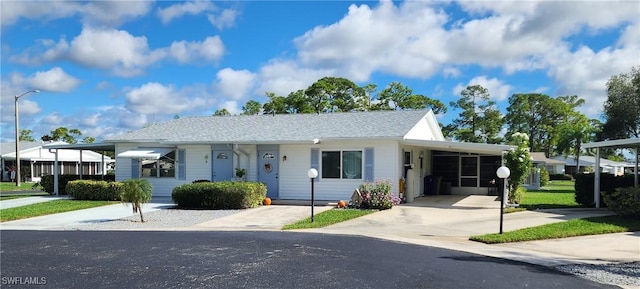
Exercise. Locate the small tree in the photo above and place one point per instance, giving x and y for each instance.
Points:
(136, 192)
(519, 162)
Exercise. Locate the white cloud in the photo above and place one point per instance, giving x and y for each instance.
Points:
(91, 120)
(282, 77)
(231, 106)
(225, 19)
(211, 49)
(498, 90)
(94, 13)
(53, 119)
(185, 8)
(53, 80)
(234, 83)
(163, 100)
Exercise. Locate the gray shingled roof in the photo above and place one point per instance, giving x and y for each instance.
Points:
(10, 147)
(279, 128)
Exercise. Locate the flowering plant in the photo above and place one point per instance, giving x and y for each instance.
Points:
(377, 195)
(519, 162)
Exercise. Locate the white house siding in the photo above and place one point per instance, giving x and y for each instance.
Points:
(295, 184)
(198, 163)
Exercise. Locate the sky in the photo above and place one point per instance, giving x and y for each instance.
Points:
(109, 67)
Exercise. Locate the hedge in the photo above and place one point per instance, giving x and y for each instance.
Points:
(47, 181)
(608, 183)
(94, 190)
(624, 201)
(560, 177)
(219, 195)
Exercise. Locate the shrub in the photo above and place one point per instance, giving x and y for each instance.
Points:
(136, 192)
(47, 181)
(201, 181)
(544, 177)
(94, 190)
(516, 197)
(608, 183)
(377, 195)
(623, 201)
(220, 195)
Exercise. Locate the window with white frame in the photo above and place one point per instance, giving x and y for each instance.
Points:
(165, 167)
(341, 164)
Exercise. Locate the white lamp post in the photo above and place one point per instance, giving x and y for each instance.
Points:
(503, 173)
(312, 173)
(17, 97)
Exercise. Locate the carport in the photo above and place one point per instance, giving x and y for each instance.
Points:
(98, 147)
(632, 143)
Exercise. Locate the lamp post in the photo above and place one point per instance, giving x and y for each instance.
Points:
(17, 97)
(312, 173)
(503, 173)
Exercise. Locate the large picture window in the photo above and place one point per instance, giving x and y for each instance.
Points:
(164, 167)
(342, 164)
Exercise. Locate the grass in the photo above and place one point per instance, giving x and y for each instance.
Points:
(327, 218)
(558, 194)
(571, 228)
(7, 186)
(47, 208)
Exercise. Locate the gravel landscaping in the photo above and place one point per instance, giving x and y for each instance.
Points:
(167, 218)
(625, 274)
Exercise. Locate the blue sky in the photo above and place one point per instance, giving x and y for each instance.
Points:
(109, 67)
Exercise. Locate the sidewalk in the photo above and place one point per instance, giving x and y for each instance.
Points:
(28, 201)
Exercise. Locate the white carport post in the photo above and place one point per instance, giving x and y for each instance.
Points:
(55, 174)
(635, 177)
(596, 179)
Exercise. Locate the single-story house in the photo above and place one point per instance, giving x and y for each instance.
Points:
(40, 160)
(347, 149)
(589, 163)
(540, 160)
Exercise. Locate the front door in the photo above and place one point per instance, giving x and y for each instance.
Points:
(268, 171)
(221, 165)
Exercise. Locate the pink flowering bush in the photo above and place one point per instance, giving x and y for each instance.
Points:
(377, 195)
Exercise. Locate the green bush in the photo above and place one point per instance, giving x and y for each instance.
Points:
(47, 181)
(94, 190)
(623, 201)
(560, 177)
(608, 183)
(544, 177)
(516, 197)
(219, 195)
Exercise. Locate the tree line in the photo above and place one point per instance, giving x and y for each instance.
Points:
(71, 136)
(554, 124)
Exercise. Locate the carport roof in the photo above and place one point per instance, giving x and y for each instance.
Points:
(479, 148)
(618, 143)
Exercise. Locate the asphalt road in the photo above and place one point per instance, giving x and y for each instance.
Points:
(85, 259)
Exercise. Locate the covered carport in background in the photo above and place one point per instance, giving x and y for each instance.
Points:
(632, 144)
(97, 147)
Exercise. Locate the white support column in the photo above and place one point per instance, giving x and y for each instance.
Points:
(596, 179)
(81, 171)
(56, 169)
(635, 177)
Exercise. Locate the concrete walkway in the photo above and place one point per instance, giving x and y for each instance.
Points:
(12, 203)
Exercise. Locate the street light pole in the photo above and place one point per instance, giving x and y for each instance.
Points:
(312, 173)
(17, 97)
(503, 173)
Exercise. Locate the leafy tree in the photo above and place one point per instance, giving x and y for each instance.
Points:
(622, 108)
(572, 133)
(64, 134)
(397, 96)
(366, 102)
(480, 120)
(334, 94)
(275, 105)
(25, 135)
(298, 102)
(251, 107)
(221, 112)
(136, 192)
(176, 117)
(88, 139)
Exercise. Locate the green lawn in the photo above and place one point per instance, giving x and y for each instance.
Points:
(7, 186)
(571, 228)
(327, 218)
(47, 208)
(558, 194)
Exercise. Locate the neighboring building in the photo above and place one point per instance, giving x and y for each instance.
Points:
(39, 160)
(347, 149)
(587, 163)
(540, 160)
